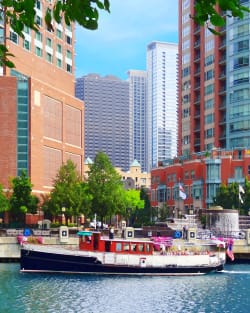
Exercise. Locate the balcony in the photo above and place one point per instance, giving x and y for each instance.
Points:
(197, 44)
(222, 120)
(197, 71)
(222, 75)
(197, 99)
(197, 29)
(222, 90)
(197, 129)
(197, 85)
(197, 57)
(222, 59)
(197, 142)
(222, 44)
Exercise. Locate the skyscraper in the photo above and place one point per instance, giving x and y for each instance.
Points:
(41, 122)
(214, 83)
(107, 118)
(138, 101)
(162, 61)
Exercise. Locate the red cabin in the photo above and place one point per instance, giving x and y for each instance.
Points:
(92, 241)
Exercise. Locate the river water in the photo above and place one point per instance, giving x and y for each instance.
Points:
(226, 292)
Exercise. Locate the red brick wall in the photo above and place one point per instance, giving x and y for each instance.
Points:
(7, 129)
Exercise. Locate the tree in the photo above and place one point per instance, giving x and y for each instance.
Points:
(21, 200)
(228, 197)
(143, 216)
(209, 12)
(4, 201)
(70, 194)
(20, 13)
(105, 187)
(133, 203)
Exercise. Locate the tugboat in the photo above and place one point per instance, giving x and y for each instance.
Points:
(101, 255)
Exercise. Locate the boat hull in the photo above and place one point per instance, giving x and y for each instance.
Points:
(49, 262)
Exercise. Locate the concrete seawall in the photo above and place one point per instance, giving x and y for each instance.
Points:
(10, 248)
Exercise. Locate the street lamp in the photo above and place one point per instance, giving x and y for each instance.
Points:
(63, 216)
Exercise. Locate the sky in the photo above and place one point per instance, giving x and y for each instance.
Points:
(120, 42)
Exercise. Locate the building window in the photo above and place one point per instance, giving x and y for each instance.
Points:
(241, 78)
(186, 71)
(209, 89)
(209, 60)
(49, 42)
(209, 74)
(49, 57)
(242, 45)
(185, 113)
(69, 54)
(39, 20)
(209, 118)
(26, 44)
(38, 4)
(59, 33)
(38, 52)
(209, 133)
(26, 29)
(238, 173)
(13, 37)
(38, 36)
(209, 104)
(69, 68)
(192, 174)
(186, 140)
(68, 40)
(241, 61)
(59, 48)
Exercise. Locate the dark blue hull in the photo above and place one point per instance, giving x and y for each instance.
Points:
(46, 262)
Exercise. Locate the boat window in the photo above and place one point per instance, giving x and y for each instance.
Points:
(141, 247)
(126, 247)
(118, 246)
(133, 247)
(147, 247)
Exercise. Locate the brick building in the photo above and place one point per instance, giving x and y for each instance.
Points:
(41, 122)
(199, 177)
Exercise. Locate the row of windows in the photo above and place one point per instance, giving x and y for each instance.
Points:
(241, 62)
(162, 195)
(39, 51)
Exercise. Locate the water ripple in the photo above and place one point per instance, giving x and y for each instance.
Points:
(216, 293)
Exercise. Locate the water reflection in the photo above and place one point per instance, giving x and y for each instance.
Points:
(108, 294)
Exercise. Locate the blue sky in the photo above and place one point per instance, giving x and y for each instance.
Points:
(121, 41)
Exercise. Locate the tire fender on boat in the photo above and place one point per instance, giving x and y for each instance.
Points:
(177, 234)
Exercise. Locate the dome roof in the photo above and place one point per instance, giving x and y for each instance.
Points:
(135, 164)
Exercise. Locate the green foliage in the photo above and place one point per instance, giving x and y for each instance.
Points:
(105, 187)
(4, 202)
(20, 13)
(228, 197)
(70, 193)
(210, 12)
(21, 200)
(4, 57)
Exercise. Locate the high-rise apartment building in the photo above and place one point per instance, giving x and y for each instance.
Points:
(138, 100)
(214, 91)
(107, 118)
(162, 61)
(41, 122)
